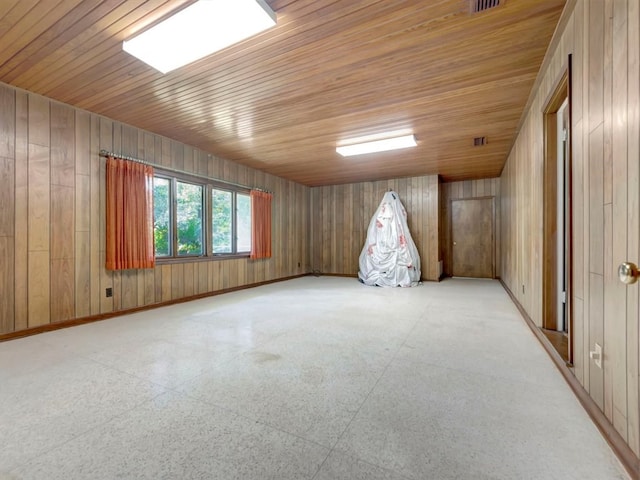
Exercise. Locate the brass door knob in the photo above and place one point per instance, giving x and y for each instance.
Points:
(628, 273)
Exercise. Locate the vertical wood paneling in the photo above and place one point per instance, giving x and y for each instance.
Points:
(39, 284)
(82, 214)
(609, 330)
(39, 121)
(38, 227)
(603, 38)
(21, 244)
(39, 191)
(188, 281)
(157, 281)
(203, 277)
(166, 283)
(128, 289)
(177, 155)
(62, 140)
(177, 280)
(96, 218)
(324, 220)
(62, 253)
(583, 269)
(607, 101)
(62, 222)
(7, 306)
(83, 274)
(315, 210)
(432, 251)
(216, 275)
(166, 152)
(596, 62)
(7, 122)
(62, 289)
(7, 207)
(616, 293)
(596, 252)
(596, 335)
(223, 272)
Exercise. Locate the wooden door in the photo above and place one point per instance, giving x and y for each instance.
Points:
(472, 242)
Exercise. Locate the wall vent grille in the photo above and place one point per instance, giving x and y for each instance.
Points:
(479, 141)
(482, 5)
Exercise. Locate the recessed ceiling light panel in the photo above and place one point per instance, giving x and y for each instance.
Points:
(199, 30)
(383, 145)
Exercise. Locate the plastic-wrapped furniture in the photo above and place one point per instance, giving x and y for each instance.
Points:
(389, 257)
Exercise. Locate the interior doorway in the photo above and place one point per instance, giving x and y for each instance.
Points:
(472, 242)
(557, 222)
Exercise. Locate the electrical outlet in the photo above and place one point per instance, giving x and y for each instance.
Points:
(596, 355)
(109, 292)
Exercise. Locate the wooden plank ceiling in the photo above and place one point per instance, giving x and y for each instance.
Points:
(330, 70)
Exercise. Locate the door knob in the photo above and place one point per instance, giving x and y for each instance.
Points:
(455, 243)
(628, 273)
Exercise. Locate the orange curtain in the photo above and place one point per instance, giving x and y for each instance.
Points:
(260, 224)
(129, 215)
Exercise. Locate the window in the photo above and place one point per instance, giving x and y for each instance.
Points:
(195, 217)
(243, 217)
(161, 216)
(222, 221)
(231, 222)
(189, 218)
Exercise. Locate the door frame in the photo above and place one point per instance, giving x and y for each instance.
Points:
(554, 102)
(493, 230)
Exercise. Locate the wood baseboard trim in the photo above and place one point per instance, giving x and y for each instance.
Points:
(624, 453)
(104, 316)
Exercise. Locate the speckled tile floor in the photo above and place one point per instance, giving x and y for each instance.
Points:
(314, 378)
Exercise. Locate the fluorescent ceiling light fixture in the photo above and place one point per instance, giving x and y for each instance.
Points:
(384, 145)
(205, 27)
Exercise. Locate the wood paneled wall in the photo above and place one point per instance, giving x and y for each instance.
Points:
(603, 38)
(340, 216)
(52, 217)
(488, 187)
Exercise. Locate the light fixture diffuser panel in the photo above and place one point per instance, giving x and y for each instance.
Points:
(384, 145)
(199, 30)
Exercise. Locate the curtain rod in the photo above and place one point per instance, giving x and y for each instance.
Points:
(106, 153)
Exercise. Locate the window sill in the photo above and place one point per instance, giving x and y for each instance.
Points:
(186, 259)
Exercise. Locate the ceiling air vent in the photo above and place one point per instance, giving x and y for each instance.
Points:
(482, 5)
(479, 141)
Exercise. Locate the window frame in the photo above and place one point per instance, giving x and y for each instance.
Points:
(170, 223)
(203, 227)
(235, 224)
(234, 220)
(208, 185)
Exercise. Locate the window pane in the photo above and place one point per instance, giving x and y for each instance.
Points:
(243, 203)
(221, 223)
(161, 218)
(189, 218)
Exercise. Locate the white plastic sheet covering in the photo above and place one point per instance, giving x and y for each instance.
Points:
(389, 257)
